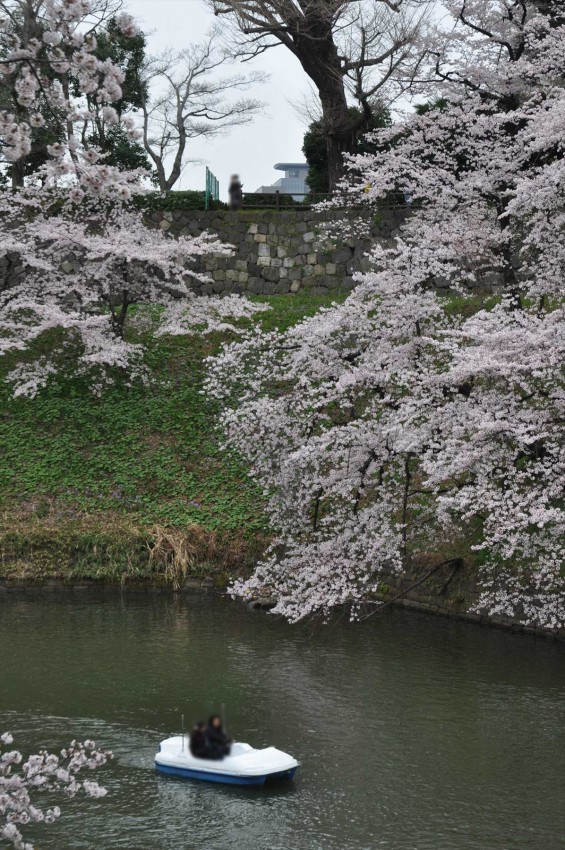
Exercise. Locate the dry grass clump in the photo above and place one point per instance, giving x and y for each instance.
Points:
(197, 552)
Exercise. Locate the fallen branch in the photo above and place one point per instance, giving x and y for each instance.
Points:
(456, 563)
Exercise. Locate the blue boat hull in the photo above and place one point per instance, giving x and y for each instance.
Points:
(224, 778)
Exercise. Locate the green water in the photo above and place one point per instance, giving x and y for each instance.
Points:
(413, 733)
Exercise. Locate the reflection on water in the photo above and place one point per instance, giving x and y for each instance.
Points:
(414, 733)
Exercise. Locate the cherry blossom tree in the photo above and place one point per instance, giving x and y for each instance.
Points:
(392, 430)
(22, 780)
(79, 255)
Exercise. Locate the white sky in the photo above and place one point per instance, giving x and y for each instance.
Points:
(250, 151)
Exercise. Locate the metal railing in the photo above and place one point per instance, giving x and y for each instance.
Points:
(283, 200)
(212, 189)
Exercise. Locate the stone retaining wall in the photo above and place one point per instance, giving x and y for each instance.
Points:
(281, 252)
(275, 252)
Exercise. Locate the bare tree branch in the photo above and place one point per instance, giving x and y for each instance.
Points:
(349, 49)
(187, 98)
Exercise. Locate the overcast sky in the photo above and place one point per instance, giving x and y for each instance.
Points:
(275, 134)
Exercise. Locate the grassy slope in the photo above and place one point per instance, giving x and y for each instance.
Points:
(84, 482)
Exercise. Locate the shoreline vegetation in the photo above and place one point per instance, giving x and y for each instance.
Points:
(132, 485)
(132, 489)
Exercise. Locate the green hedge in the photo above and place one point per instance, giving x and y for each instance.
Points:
(191, 199)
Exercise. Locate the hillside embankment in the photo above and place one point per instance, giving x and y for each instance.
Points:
(132, 489)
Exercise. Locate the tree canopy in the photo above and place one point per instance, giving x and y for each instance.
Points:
(392, 431)
(316, 152)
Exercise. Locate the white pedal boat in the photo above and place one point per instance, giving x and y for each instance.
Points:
(243, 766)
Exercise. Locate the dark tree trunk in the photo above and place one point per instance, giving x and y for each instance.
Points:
(18, 174)
(320, 59)
(335, 161)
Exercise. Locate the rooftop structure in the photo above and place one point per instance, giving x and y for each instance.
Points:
(293, 183)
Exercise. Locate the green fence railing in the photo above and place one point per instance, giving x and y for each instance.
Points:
(212, 189)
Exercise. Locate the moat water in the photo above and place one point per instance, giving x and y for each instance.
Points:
(413, 732)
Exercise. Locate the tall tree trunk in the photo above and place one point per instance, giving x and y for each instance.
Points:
(320, 59)
(335, 160)
(17, 174)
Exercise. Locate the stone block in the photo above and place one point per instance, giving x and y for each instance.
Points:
(264, 250)
(295, 286)
(243, 277)
(240, 265)
(282, 287)
(331, 281)
(276, 263)
(270, 274)
(312, 259)
(283, 272)
(219, 274)
(342, 255)
(441, 282)
(319, 270)
(231, 274)
(165, 225)
(331, 268)
(252, 228)
(260, 237)
(281, 252)
(255, 285)
(268, 288)
(295, 274)
(263, 261)
(309, 237)
(288, 262)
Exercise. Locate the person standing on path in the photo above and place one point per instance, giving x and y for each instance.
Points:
(235, 191)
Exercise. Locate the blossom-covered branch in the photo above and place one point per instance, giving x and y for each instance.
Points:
(391, 426)
(78, 253)
(21, 780)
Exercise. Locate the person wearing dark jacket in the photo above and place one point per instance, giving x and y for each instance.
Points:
(198, 741)
(218, 741)
(235, 191)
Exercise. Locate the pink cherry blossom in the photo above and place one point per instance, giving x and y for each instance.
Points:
(392, 429)
(43, 772)
(84, 254)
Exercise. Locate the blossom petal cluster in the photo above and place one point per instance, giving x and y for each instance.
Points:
(21, 780)
(404, 427)
(79, 258)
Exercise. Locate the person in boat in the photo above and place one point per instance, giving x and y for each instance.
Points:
(199, 741)
(218, 742)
